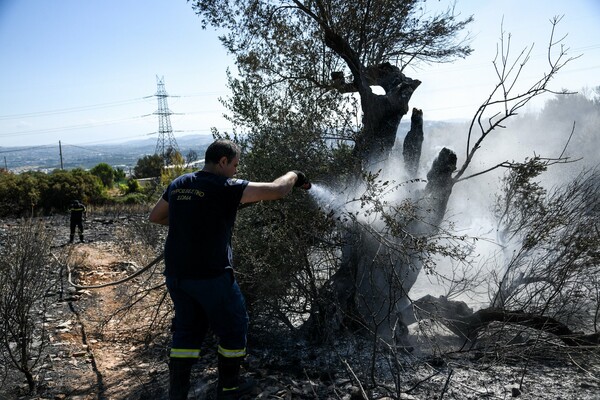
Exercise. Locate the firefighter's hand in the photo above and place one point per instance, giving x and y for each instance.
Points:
(302, 180)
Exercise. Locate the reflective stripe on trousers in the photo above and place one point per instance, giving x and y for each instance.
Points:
(185, 353)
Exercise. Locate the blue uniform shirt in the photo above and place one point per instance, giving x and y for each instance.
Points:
(202, 211)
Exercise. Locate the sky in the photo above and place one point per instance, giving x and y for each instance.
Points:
(85, 72)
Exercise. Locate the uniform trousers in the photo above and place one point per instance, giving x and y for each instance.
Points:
(201, 304)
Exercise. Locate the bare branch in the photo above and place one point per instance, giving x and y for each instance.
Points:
(508, 75)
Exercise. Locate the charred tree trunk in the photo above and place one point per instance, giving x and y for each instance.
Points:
(371, 287)
(411, 149)
(387, 267)
(382, 113)
(370, 290)
(438, 190)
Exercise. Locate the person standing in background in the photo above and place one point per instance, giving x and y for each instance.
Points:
(77, 210)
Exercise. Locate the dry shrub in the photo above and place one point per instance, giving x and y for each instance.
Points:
(27, 277)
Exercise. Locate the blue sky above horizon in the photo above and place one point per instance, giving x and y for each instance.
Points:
(84, 72)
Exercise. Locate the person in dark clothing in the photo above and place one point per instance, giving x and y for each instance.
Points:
(77, 210)
(200, 209)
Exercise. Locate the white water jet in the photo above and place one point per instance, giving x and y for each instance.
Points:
(325, 198)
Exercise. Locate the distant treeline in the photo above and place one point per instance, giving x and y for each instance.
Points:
(36, 193)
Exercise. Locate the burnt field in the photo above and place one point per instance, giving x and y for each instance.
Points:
(93, 340)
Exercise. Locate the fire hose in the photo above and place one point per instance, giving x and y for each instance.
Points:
(103, 285)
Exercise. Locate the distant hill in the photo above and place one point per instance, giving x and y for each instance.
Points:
(122, 155)
(125, 155)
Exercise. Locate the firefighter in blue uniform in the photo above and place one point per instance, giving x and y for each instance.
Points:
(77, 210)
(200, 209)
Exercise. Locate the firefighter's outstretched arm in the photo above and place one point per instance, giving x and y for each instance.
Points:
(280, 187)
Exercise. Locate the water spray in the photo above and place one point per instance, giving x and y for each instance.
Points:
(325, 198)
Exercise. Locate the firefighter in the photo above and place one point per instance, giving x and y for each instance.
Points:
(77, 210)
(200, 210)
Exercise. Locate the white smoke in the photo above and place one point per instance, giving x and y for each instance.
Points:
(469, 210)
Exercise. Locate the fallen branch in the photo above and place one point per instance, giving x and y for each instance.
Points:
(482, 318)
(461, 320)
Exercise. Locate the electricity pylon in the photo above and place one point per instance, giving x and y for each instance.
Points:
(166, 143)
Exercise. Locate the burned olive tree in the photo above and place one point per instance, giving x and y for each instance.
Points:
(306, 70)
(298, 61)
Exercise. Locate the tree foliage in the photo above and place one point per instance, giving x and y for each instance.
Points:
(105, 172)
(175, 167)
(31, 192)
(149, 166)
(375, 32)
(287, 49)
(119, 174)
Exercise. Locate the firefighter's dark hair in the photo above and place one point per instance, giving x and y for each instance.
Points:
(221, 148)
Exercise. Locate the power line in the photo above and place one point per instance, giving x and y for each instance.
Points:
(202, 94)
(109, 141)
(73, 109)
(117, 139)
(46, 146)
(99, 106)
(70, 127)
(82, 148)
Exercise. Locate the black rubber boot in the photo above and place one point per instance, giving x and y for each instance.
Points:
(231, 386)
(71, 238)
(81, 238)
(180, 370)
